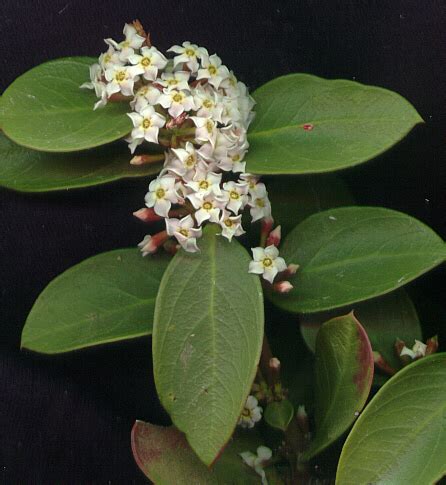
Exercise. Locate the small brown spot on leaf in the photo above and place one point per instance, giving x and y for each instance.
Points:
(308, 126)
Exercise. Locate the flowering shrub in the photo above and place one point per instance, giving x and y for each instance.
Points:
(248, 403)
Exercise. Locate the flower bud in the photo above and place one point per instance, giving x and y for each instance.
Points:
(274, 237)
(282, 287)
(147, 215)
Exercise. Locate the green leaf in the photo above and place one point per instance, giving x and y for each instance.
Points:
(279, 414)
(384, 319)
(400, 438)
(165, 457)
(352, 254)
(344, 374)
(106, 298)
(45, 109)
(349, 123)
(32, 171)
(207, 338)
(295, 198)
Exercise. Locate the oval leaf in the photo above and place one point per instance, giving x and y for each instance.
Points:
(106, 298)
(45, 109)
(344, 374)
(279, 414)
(306, 124)
(384, 319)
(28, 170)
(207, 339)
(165, 457)
(400, 438)
(351, 254)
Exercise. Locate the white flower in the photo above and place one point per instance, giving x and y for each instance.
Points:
(149, 61)
(161, 195)
(110, 58)
(267, 263)
(122, 78)
(258, 461)
(231, 225)
(127, 47)
(189, 53)
(251, 414)
(97, 84)
(146, 124)
(204, 182)
(174, 80)
(208, 104)
(185, 162)
(213, 71)
(185, 233)
(232, 160)
(235, 195)
(417, 351)
(206, 129)
(209, 208)
(259, 203)
(146, 94)
(176, 101)
(251, 180)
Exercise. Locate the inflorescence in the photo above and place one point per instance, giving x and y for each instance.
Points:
(195, 107)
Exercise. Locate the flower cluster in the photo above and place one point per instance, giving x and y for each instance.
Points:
(193, 106)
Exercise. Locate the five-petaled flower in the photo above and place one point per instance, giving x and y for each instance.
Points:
(161, 195)
(251, 414)
(267, 262)
(146, 126)
(185, 232)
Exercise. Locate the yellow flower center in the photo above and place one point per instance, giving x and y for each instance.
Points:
(228, 223)
(177, 97)
(246, 413)
(267, 262)
(207, 103)
(107, 58)
(235, 158)
(204, 185)
(184, 232)
(190, 52)
(145, 61)
(146, 123)
(260, 203)
(234, 195)
(207, 206)
(172, 82)
(212, 70)
(160, 193)
(190, 161)
(209, 126)
(120, 76)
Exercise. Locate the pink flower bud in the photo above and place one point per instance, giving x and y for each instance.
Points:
(274, 237)
(147, 215)
(291, 269)
(267, 225)
(274, 363)
(282, 287)
(150, 244)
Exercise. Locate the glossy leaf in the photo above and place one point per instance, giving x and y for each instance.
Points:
(352, 254)
(45, 109)
(385, 319)
(279, 414)
(401, 436)
(207, 339)
(28, 170)
(165, 457)
(106, 298)
(306, 124)
(343, 377)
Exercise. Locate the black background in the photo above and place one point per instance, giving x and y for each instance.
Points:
(68, 419)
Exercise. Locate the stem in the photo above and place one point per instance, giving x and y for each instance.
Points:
(265, 368)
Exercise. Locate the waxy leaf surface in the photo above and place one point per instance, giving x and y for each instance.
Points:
(343, 375)
(385, 319)
(106, 298)
(28, 170)
(306, 124)
(207, 339)
(400, 438)
(45, 109)
(278, 414)
(165, 457)
(352, 254)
